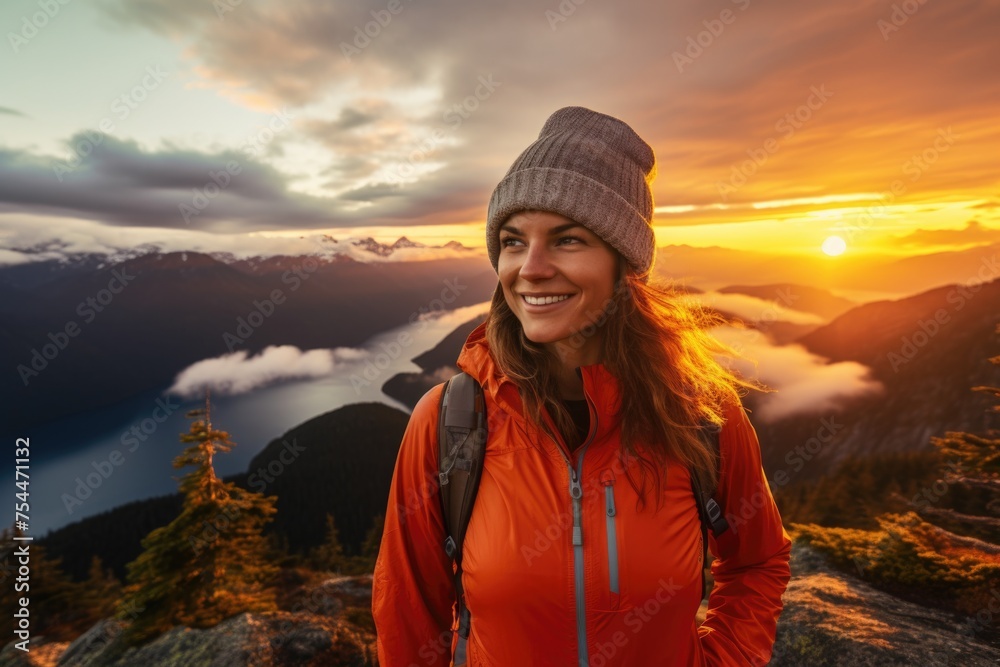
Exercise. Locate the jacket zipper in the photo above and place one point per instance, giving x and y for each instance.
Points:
(609, 497)
(576, 494)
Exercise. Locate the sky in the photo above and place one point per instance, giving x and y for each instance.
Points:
(244, 124)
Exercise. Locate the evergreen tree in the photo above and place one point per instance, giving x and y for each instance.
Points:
(373, 540)
(99, 593)
(364, 563)
(972, 476)
(329, 556)
(213, 560)
(945, 552)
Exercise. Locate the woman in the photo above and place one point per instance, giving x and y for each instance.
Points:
(591, 378)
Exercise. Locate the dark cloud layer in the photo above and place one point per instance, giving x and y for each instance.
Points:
(119, 183)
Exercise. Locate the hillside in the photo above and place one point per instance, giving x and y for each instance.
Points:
(927, 387)
(804, 298)
(829, 619)
(927, 350)
(715, 266)
(339, 462)
(198, 300)
(437, 364)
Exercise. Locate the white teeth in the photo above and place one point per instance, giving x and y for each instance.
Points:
(545, 299)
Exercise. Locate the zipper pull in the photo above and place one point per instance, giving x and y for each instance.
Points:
(576, 492)
(608, 480)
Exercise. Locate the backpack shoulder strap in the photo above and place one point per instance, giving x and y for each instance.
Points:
(709, 511)
(462, 446)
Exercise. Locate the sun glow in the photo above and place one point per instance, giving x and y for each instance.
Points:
(834, 245)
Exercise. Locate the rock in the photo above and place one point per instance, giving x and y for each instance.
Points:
(39, 654)
(87, 647)
(273, 639)
(833, 619)
(353, 590)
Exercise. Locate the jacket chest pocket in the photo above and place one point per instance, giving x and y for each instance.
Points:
(611, 592)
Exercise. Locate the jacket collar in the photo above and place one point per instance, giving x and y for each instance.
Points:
(599, 385)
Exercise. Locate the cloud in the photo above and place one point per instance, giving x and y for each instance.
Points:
(703, 116)
(120, 183)
(237, 374)
(752, 309)
(405, 132)
(973, 233)
(34, 238)
(806, 383)
(11, 112)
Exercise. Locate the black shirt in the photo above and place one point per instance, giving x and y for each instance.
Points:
(580, 412)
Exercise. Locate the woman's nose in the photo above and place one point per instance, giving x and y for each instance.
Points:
(537, 262)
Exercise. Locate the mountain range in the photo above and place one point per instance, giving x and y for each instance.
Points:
(347, 455)
(97, 335)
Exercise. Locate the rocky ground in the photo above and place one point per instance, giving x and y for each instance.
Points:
(329, 628)
(830, 619)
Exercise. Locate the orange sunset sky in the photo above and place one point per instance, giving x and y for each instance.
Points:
(776, 125)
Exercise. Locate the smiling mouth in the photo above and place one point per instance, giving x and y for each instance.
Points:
(545, 300)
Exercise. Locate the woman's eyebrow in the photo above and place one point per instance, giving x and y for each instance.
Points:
(552, 232)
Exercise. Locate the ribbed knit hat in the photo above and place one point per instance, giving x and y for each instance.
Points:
(591, 168)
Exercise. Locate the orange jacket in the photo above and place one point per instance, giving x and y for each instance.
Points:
(640, 572)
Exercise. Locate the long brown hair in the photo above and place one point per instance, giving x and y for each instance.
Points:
(655, 343)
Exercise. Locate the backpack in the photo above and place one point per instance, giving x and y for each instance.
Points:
(462, 433)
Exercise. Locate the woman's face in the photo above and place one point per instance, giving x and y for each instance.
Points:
(547, 254)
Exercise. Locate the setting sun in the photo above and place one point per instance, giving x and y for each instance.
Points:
(834, 245)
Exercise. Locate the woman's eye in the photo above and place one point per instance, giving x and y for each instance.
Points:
(505, 242)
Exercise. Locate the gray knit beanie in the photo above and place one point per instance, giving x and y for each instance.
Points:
(593, 169)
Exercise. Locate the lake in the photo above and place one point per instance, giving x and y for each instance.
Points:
(115, 467)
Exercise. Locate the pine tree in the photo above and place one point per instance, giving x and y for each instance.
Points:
(99, 593)
(364, 563)
(373, 540)
(213, 560)
(945, 551)
(329, 556)
(972, 474)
